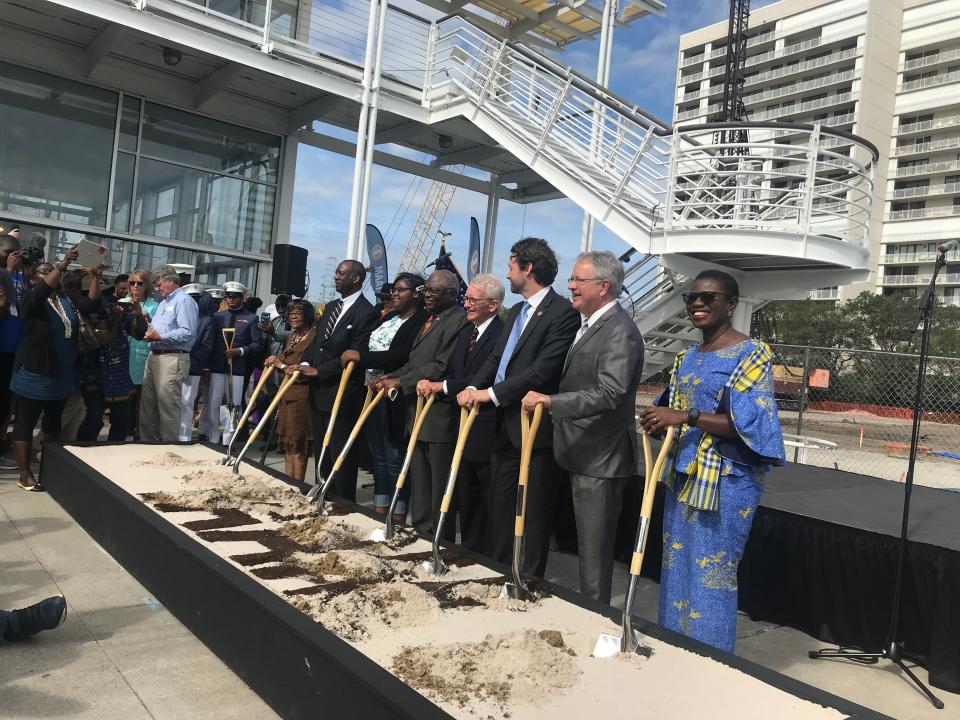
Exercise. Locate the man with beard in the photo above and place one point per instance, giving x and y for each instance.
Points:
(346, 324)
(246, 346)
(528, 356)
(428, 359)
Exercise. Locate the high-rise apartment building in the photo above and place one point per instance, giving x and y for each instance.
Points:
(887, 70)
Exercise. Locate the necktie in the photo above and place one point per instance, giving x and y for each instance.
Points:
(426, 326)
(515, 334)
(332, 321)
(474, 336)
(581, 332)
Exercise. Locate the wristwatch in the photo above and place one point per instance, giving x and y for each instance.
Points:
(693, 415)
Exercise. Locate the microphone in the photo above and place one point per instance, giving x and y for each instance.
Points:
(948, 246)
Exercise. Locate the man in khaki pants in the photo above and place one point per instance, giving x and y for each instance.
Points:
(171, 334)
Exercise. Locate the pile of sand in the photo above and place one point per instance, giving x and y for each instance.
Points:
(320, 533)
(170, 459)
(522, 667)
(353, 614)
(218, 487)
(349, 563)
(487, 595)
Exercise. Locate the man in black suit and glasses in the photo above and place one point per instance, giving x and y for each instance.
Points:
(528, 356)
(346, 324)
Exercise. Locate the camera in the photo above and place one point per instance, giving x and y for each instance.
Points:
(31, 255)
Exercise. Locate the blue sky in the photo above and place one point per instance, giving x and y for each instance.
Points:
(643, 71)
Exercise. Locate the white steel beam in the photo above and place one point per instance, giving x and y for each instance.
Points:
(490, 224)
(315, 110)
(97, 50)
(468, 156)
(399, 133)
(215, 82)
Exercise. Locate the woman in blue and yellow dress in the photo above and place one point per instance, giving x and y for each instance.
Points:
(721, 397)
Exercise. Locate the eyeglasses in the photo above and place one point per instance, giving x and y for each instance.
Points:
(436, 291)
(707, 297)
(577, 282)
(398, 290)
(474, 301)
(136, 282)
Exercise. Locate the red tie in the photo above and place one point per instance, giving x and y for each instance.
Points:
(426, 326)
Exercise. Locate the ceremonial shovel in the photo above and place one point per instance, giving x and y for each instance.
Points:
(369, 403)
(381, 534)
(438, 567)
(284, 386)
(609, 645)
(344, 377)
(229, 459)
(227, 419)
(518, 589)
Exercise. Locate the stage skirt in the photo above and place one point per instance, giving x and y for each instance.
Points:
(701, 553)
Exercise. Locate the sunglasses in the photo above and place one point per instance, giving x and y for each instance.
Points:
(707, 298)
(136, 282)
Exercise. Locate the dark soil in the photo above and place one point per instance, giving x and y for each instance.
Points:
(450, 557)
(337, 587)
(226, 518)
(158, 499)
(275, 572)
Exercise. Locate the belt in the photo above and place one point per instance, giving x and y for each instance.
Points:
(168, 352)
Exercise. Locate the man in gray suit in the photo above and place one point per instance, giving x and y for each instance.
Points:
(428, 360)
(594, 431)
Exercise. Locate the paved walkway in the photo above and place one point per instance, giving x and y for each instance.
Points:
(121, 655)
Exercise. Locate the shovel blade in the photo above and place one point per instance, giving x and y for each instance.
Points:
(607, 646)
(378, 535)
(513, 591)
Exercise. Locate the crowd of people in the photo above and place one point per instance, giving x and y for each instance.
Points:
(162, 346)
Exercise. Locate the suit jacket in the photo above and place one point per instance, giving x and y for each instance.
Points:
(428, 360)
(536, 362)
(463, 365)
(352, 332)
(247, 337)
(594, 426)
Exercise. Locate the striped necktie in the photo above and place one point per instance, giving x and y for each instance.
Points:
(426, 326)
(474, 336)
(332, 320)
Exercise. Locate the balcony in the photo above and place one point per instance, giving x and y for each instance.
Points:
(806, 86)
(923, 148)
(801, 67)
(928, 169)
(913, 258)
(935, 81)
(943, 189)
(925, 213)
(935, 124)
(943, 57)
(830, 293)
(922, 279)
(784, 52)
(809, 106)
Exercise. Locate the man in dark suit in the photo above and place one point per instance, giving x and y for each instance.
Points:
(528, 356)
(476, 339)
(594, 430)
(429, 357)
(345, 324)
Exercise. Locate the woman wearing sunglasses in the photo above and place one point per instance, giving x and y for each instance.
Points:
(728, 435)
(141, 288)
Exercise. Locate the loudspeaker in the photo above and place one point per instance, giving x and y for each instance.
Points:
(289, 270)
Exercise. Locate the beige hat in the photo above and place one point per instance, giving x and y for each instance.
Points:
(234, 287)
(193, 289)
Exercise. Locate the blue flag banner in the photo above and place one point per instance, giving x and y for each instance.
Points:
(377, 252)
(473, 265)
(445, 262)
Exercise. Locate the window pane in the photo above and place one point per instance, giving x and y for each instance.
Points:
(193, 140)
(129, 123)
(194, 206)
(56, 146)
(149, 257)
(122, 192)
(218, 269)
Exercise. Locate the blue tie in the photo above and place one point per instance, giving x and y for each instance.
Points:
(515, 334)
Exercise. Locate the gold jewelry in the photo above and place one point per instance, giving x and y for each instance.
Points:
(58, 309)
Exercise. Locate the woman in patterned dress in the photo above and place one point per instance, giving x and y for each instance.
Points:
(721, 397)
(294, 429)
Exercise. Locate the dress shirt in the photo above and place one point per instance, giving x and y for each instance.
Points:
(588, 322)
(534, 302)
(480, 330)
(346, 304)
(176, 321)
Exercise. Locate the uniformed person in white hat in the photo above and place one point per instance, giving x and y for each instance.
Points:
(247, 343)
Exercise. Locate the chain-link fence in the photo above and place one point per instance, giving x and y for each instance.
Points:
(853, 410)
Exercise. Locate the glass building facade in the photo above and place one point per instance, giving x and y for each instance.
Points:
(154, 183)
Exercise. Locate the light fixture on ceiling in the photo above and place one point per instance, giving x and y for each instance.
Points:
(172, 56)
(445, 142)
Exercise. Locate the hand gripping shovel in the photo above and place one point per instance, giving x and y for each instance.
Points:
(369, 403)
(381, 534)
(438, 567)
(226, 415)
(608, 645)
(229, 459)
(284, 386)
(518, 589)
(344, 378)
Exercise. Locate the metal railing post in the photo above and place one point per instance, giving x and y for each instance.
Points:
(552, 117)
(268, 13)
(811, 180)
(671, 179)
(804, 389)
(494, 65)
(428, 65)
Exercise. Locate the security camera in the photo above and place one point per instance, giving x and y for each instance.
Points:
(172, 56)
(445, 141)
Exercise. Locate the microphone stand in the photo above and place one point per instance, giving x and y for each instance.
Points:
(893, 648)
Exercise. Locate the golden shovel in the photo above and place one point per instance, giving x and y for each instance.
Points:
(229, 459)
(344, 378)
(438, 567)
(518, 589)
(284, 386)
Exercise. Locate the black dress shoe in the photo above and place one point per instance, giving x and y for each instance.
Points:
(44, 615)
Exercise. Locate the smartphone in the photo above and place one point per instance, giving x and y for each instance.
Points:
(265, 318)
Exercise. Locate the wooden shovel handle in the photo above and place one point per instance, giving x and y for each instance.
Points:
(466, 422)
(369, 403)
(528, 435)
(418, 418)
(284, 386)
(649, 492)
(341, 389)
(253, 397)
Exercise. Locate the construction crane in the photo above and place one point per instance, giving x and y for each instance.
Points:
(419, 248)
(733, 141)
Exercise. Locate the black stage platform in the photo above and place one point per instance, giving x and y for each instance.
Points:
(822, 558)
